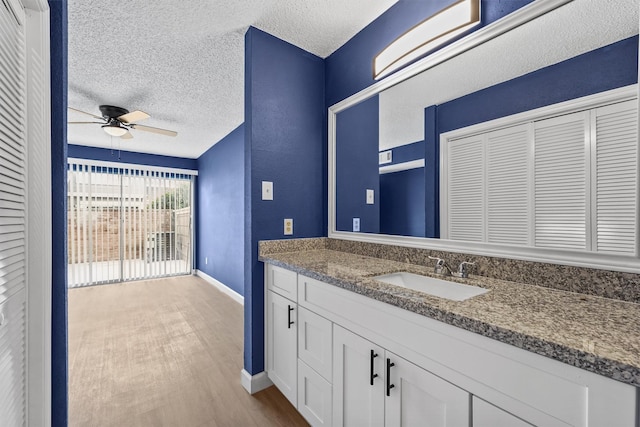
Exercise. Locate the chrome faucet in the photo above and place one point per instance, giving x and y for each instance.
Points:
(463, 271)
(441, 267)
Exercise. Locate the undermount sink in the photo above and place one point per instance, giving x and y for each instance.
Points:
(432, 286)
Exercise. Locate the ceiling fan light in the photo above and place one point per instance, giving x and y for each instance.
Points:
(114, 129)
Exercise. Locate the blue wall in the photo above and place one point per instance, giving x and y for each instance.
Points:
(220, 219)
(406, 153)
(285, 122)
(108, 155)
(349, 69)
(402, 203)
(402, 194)
(432, 172)
(357, 167)
(58, 40)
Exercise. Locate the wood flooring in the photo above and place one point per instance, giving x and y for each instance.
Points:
(165, 352)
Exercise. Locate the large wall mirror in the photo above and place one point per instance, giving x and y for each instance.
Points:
(385, 162)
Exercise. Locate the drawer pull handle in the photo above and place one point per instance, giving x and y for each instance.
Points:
(372, 374)
(291, 322)
(389, 385)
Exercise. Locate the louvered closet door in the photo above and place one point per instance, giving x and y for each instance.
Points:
(12, 216)
(616, 151)
(508, 186)
(465, 178)
(561, 150)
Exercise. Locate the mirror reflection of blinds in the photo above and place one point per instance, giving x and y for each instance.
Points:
(12, 219)
(561, 181)
(567, 182)
(616, 152)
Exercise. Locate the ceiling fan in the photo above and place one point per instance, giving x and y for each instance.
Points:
(117, 121)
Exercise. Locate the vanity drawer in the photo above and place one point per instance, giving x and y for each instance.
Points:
(283, 282)
(315, 339)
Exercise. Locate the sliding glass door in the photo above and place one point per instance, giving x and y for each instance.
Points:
(128, 222)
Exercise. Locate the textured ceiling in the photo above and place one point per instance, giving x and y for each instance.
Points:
(575, 28)
(183, 61)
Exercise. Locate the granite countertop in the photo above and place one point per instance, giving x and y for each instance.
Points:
(597, 334)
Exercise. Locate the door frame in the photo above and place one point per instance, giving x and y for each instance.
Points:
(39, 214)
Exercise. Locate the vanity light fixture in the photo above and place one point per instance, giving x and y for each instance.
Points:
(114, 129)
(427, 35)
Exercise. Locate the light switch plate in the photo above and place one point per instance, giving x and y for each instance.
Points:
(369, 196)
(356, 224)
(288, 226)
(267, 190)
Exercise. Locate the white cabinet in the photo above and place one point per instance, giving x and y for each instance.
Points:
(358, 380)
(375, 387)
(328, 348)
(314, 342)
(298, 349)
(487, 415)
(282, 354)
(419, 398)
(314, 396)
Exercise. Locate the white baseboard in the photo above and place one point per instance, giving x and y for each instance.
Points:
(254, 383)
(221, 287)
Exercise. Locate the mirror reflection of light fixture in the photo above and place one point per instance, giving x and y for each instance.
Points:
(115, 129)
(427, 35)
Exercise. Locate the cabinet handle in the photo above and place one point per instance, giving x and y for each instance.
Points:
(291, 322)
(372, 375)
(389, 385)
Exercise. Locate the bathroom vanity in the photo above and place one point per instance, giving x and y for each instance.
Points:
(348, 349)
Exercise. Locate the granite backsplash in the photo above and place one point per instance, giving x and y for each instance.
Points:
(591, 281)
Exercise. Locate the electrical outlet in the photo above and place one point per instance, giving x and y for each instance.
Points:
(206, 260)
(369, 197)
(267, 190)
(356, 224)
(288, 226)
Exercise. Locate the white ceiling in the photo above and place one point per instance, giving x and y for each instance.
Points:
(182, 62)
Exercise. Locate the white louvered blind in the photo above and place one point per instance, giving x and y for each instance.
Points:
(508, 182)
(12, 215)
(616, 151)
(561, 181)
(567, 182)
(466, 189)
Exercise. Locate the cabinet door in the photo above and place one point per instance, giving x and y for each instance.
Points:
(282, 364)
(419, 398)
(314, 396)
(315, 341)
(356, 364)
(487, 415)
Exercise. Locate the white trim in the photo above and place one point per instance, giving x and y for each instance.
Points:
(404, 166)
(221, 287)
(102, 163)
(509, 22)
(254, 383)
(39, 220)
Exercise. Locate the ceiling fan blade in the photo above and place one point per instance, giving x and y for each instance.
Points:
(85, 123)
(134, 116)
(84, 112)
(155, 130)
(127, 136)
